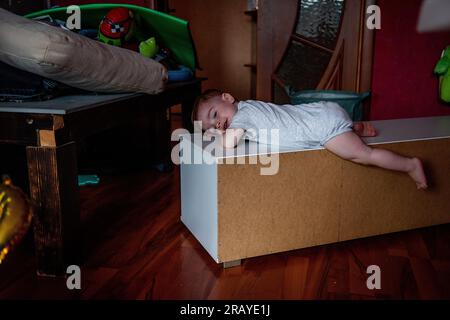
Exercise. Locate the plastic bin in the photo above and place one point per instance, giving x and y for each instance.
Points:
(350, 101)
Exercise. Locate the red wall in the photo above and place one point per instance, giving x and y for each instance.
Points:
(403, 82)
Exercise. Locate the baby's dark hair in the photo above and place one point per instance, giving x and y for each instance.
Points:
(205, 96)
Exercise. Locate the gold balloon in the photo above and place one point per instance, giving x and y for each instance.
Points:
(15, 216)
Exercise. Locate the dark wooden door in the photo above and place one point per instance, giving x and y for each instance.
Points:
(313, 44)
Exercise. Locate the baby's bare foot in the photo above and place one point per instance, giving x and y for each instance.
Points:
(364, 129)
(417, 174)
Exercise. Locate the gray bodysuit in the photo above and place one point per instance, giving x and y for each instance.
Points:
(300, 126)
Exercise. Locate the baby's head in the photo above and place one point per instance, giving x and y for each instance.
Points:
(215, 109)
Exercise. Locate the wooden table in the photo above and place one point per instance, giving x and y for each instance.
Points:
(50, 131)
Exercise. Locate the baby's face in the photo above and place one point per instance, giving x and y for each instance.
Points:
(217, 112)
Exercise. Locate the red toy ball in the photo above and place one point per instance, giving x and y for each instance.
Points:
(117, 23)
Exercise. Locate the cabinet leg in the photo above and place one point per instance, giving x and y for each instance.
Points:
(231, 264)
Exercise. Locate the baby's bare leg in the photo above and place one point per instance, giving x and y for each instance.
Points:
(350, 147)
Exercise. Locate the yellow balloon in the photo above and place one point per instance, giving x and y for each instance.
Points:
(15, 216)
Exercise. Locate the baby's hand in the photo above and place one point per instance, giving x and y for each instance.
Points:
(230, 138)
(213, 133)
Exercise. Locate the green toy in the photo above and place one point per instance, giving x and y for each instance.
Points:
(442, 69)
(148, 48)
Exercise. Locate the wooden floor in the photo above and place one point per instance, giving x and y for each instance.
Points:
(135, 247)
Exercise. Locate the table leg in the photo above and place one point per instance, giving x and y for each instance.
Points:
(158, 132)
(55, 195)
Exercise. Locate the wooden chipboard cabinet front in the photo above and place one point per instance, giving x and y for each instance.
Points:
(317, 198)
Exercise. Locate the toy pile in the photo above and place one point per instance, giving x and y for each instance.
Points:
(119, 28)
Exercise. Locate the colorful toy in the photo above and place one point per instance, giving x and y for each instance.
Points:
(183, 73)
(15, 216)
(173, 47)
(174, 33)
(443, 70)
(148, 48)
(166, 58)
(176, 71)
(116, 28)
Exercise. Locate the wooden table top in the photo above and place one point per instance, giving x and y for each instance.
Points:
(73, 103)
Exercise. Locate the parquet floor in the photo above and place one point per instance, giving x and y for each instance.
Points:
(135, 247)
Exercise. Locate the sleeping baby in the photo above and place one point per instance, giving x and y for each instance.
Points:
(303, 126)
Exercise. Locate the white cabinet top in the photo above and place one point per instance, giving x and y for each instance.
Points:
(389, 131)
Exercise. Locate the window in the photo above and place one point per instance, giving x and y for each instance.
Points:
(311, 47)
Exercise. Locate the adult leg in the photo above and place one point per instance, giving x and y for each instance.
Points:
(350, 147)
